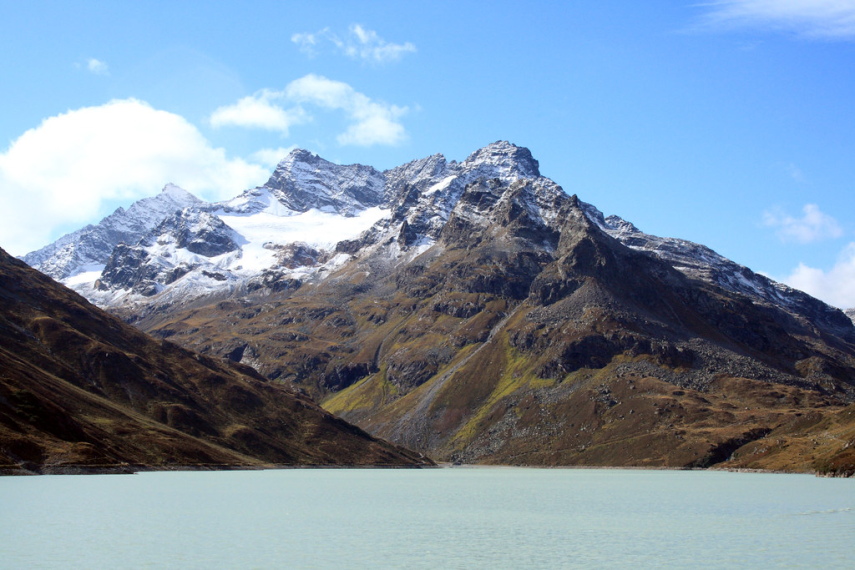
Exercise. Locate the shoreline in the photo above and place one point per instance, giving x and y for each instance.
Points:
(133, 469)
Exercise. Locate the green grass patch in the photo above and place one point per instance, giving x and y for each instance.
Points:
(368, 394)
(514, 375)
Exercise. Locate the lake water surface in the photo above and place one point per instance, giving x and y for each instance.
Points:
(432, 518)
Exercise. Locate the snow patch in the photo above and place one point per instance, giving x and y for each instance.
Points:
(317, 228)
(88, 274)
(441, 185)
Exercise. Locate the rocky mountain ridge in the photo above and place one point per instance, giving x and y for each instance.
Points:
(476, 312)
(701, 262)
(303, 181)
(91, 246)
(414, 200)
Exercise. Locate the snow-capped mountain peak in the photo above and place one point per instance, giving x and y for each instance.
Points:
(313, 215)
(92, 245)
(303, 181)
(179, 195)
(506, 159)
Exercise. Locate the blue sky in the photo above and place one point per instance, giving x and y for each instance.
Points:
(727, 123)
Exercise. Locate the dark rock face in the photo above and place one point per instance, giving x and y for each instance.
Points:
(299, 254)
(126, 268)
(701, 262)
(198, 232)
(341, 377)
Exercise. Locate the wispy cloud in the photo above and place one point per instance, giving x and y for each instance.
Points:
(813, 19)
(308, 42)
(97, 66)
(835, 286)
(64, 171)
(93, 66)
(813, 226)
(359, 43)
(371, 122)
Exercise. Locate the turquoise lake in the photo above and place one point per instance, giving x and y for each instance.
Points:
(431, 518)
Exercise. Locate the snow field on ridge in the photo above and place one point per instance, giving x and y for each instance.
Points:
(321, 230)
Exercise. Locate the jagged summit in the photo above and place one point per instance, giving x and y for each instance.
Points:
(508, 160)
(308, 202)
(303, 181)
(91, 246)
(179, 195)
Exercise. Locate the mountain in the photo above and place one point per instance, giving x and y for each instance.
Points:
(91, 246)
(476, 312)
(81, 391)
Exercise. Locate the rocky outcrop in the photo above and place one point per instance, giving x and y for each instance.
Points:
(305, 181)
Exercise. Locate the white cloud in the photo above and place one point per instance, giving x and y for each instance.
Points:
(816, 19)
(836, 286)
(371, 122)
(321, 91)
(97, 67)
(260, 112)
(813, 226)
(62, 172)
(359, 43)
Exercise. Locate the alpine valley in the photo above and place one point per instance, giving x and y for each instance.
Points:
(475, 312)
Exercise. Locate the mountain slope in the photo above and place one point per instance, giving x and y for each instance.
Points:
(607, 356)
(555, 380)
(81, 390)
